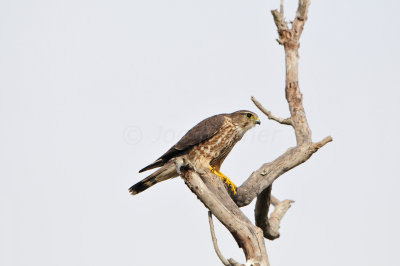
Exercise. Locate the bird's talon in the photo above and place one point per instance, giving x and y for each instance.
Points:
(231, 185)
(225, 179)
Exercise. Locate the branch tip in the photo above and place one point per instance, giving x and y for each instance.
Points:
(279, 19)
(286, 121)
(302, 9)
(318, 145)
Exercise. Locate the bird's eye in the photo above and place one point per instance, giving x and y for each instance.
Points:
(249, 115)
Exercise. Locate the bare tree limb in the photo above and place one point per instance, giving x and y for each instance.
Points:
(290, 40)
(211, 191)
(271, 225)
(235, 263)
(286, 121)
(274, 200)
(262, 178)
(318, 145)
(269, 172)
(276, 216)
(230, 261)
(214, 240)
(261, 212)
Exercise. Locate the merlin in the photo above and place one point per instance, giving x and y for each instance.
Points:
(205, 146)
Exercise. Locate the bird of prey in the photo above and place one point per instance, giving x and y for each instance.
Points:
(206, 145)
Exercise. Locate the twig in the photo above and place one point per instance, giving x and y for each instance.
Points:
(286, 121)
(320, 144)
(214, 240)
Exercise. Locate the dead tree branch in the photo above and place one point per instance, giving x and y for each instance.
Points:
(211, 191)
(271, 225)
(262, 178)
(286, 121)
(231, 261)
(214, 240)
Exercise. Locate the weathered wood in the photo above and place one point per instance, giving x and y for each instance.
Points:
(210, 190)
(259, 182)
(224, 205)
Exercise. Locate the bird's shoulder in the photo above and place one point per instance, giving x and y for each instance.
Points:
(202, 131)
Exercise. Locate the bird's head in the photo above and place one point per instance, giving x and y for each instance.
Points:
(245, 119)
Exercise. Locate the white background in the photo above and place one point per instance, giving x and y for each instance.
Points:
(92, 91)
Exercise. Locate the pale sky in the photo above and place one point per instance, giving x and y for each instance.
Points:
(92, 91)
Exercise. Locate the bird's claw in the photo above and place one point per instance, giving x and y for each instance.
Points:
(225, 179)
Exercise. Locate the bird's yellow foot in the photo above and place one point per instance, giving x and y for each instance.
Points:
(225, 179)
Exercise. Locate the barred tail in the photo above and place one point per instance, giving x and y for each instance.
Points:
(143, 185)
(166, 172)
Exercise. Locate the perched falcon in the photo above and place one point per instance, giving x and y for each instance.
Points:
(205, 146)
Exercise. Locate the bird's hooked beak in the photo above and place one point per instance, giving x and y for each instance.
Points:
(258, 122)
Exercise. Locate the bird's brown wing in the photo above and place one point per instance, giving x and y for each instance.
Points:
(199, 133)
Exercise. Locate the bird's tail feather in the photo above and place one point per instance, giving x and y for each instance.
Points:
(166, 172)
(156, 164)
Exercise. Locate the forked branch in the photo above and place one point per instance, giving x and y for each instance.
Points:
(225, 207)
(262, 178)
(270, 225)
(211, 191)
(224, 261)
